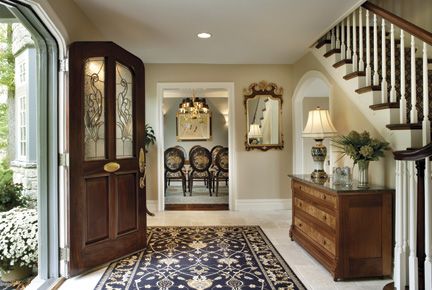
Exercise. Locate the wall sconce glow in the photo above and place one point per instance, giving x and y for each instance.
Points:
(226, 119)
(204, 35)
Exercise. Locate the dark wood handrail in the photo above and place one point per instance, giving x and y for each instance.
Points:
(407, 26)
(413, 155)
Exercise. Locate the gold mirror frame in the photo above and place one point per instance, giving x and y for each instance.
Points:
(271, 90)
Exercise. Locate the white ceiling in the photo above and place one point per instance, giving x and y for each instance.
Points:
(244, 31)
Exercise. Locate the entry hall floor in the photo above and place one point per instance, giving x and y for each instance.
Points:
(275, 224)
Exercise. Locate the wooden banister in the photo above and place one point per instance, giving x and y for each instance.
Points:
(417, 154)
(407, 26)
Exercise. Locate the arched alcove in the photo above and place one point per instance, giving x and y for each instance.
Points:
(312, 90)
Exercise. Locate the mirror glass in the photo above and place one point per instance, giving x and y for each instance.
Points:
(263, 104)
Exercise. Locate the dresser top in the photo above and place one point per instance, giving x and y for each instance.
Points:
(327, 185)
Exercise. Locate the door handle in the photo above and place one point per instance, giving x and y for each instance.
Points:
(141, 165)
(141, 160)
(111, 167)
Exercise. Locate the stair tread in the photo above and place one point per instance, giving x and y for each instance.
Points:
(322, 42)
(332, 51)
(342, 62)
(413, 126)
(384, 106)
(354, 74)
(368, 89)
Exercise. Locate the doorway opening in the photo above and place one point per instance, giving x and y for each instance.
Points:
(195, 146)
(312, 91)
(29, 142)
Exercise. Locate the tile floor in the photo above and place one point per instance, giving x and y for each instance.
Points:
(274, 223)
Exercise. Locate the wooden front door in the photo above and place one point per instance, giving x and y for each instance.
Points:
(107, 201)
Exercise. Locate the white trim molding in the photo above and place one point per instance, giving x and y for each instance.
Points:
(263, 204)
(297, 117)
(229, 88)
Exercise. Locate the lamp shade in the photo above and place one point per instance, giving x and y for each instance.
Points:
(254, 131)
(319, 125)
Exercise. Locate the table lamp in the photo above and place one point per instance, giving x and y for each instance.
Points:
(318, 127)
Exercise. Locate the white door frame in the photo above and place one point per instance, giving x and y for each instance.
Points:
(229, 87)
(298, 96)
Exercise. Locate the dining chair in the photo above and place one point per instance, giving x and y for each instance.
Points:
(174, 161)
(200, 161)
(222, 164)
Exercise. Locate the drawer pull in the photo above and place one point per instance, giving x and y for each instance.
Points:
(325, 217)
(300, 224)
(324, 197)
(324, 242)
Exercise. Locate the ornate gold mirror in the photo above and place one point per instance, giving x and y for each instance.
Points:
(263, 105)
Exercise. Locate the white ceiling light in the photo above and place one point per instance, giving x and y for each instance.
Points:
(204, 35)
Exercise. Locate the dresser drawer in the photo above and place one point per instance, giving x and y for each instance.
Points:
(324, 242)
(318, 214)
(322, 196)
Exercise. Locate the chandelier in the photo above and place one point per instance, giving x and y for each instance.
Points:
(193, 108)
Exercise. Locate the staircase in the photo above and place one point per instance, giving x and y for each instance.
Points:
(382, 60)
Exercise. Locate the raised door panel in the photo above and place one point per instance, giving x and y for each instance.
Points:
(97, 209)
(127, 201)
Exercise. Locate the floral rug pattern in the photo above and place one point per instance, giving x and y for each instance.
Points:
(217, 257)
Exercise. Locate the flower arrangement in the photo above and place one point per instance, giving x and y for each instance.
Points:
(18, 238)
(360, 147)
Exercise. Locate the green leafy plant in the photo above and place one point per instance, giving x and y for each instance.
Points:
(10, 193)
(360, 146)
(150, 138)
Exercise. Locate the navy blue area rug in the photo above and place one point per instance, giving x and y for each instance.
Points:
(208, 257)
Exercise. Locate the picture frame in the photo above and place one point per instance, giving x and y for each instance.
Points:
(190, 129)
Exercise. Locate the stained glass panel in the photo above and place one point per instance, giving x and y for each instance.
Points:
(94, 108)
(124, 116)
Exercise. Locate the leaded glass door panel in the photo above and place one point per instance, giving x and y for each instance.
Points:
(107, 202)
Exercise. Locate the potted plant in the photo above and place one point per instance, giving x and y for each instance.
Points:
(361, 148)
(150, 137)
(18, 243)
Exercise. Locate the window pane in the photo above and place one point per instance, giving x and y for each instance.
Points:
(124, 117)
(94, 108)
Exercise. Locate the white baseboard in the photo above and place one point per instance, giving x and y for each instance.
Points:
(244, 204)
(263, 204)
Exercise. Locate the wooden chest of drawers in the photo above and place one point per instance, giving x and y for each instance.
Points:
(348, 230)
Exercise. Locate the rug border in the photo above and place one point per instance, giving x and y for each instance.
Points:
(272, 247)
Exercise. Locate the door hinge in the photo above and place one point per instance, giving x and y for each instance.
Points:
(64, 65)
(64, 159)
(65, 254)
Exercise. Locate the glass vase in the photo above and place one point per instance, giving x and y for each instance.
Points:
(363, 177)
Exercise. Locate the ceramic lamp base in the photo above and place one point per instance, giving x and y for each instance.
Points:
(319, 153)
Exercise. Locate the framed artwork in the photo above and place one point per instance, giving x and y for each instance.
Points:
(189, 129)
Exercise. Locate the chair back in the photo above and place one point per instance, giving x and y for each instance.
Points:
(192, 149)
(200, 159)
(182, 150)
(174, 159)
(214, 151)
(222, 160)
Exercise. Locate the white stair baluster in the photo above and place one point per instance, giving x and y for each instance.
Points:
(402, 102)
(398, 270)
(355, 56)
(412, 260)
(361, 61)
(348, 40)
(405, 189)
(343, 46)
(332, 39)
(426, 122)
(413, 113)
(392, 65)
(428, 226)
(368, 60)
(338, 36)
(375, 55)
(383, 64)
